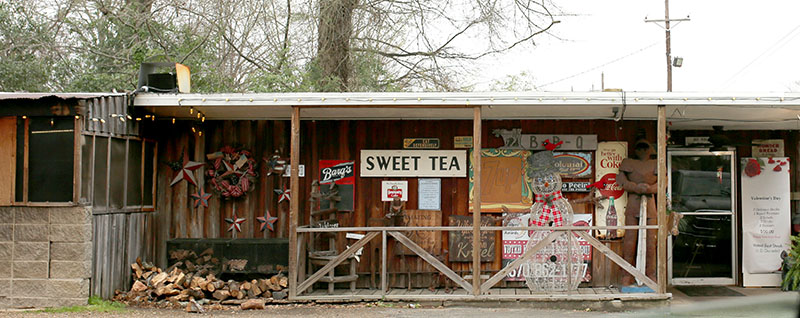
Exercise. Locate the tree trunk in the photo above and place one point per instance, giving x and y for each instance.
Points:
(333, 44)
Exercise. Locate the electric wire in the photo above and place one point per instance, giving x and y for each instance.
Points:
(601, 65)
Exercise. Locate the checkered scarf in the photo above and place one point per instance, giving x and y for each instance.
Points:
(549, 210)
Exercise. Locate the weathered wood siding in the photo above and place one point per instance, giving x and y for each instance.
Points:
(177, 217)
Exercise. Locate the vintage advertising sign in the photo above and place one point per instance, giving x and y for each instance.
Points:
(342, 173)
(429, 194)
(504, 180)
(515, 139)
(462, 142)
(768, 148)
(608, 157)
(765, 219)
(430, 241)
(421, 143)
(394, 189)
(575, 187)
(413, 163)
(460, 242)
(574, 164)
(515, 241)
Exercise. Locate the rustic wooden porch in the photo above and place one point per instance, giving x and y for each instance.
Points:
(460, 294)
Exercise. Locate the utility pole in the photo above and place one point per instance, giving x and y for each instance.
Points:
(666, 28)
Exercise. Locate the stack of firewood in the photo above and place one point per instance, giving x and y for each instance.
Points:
(192, 284)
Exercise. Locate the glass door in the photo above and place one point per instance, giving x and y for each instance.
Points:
(702, 188)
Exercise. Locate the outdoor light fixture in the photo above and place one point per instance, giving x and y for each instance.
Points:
(677, 62)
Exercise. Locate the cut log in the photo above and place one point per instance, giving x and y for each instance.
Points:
(194, 307)
(253, 304)
(244, 286)
(262, 284)
(278, 295)
(221, 294)
(138, 286)
(283, 281)
(158, 279)
(168, 290)
(137, 270)
(180, 279)
(190, 266)
(211, 288)
(208, 251)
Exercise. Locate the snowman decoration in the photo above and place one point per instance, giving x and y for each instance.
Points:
(557, 266)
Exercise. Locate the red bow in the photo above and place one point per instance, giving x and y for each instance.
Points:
(549, 210)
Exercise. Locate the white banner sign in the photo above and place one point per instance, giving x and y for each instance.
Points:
(413, 163)
(765, 213)
(394, 189)
(429, 195)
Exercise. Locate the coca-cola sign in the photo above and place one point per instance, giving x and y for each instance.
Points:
(338, 172)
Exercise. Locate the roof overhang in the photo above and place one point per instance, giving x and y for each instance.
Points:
(734, 111)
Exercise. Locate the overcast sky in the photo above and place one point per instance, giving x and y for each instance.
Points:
(728, 45)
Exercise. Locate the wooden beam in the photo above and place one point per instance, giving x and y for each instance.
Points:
(294, 202)
(476, 201)
(431, 260)
(25, 159)
(76, 163)
(334, 262)
(383, 263)
(618, 259)
(522, 258)
(661, 260)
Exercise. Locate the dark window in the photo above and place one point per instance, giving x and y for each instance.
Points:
(50, 159)
(134, 173)
(118, 164)
(100, 171)
(86, 167)
(149, 159)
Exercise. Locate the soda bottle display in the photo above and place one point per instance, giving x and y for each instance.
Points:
(611, 219)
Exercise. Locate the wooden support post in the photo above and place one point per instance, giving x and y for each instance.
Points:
(383, 263)
(662, 200)
(294, 202)
(476, 201)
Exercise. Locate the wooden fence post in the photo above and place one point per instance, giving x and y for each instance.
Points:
(294, 202)
(662, 200)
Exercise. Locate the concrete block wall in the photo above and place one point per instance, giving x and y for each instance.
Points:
(45, 256)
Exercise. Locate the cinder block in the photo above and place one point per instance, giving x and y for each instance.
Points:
(70, 270)
(71, 233)
(41, 302)
(5, 287)
(6, 232)
(31, 251)
(66, 251)
(30, 288)
(5, 270)
(7, 214)
(32, 215)
(75, 215)
(5, 250)
(67, 288)
(33, 269)
(30, 233)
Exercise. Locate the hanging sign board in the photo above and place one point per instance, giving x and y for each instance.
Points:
(575, 187)
(342, 173)
(394, 189)
(608, 157)
(504, 180)
(765, 219)
(462, 142)
(768, 148)
(421, 143)
(515, 241)
(429, 195)
(413, 163)
(514, 139)
(697, 141)
(573, 164)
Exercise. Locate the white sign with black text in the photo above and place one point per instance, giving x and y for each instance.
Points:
(429, 194)
(413, 163)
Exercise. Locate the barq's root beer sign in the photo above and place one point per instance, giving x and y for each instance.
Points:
(413, 163)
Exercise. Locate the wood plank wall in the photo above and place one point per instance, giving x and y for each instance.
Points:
(177, 218)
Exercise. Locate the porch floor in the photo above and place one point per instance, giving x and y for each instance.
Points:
(495, 294)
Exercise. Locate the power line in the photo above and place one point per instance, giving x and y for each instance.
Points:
(729, 81)
(601, 65)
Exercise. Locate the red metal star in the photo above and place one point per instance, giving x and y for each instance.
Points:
(201, 197)
(187, 172)
(236, 223)
(266, 221)
(284, 194)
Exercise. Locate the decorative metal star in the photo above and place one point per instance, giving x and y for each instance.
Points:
(284, 194)
(266, 221)
(187, 172)
(235, 222)
(201, 198)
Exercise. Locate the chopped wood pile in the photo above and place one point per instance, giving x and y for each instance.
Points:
(192, 282)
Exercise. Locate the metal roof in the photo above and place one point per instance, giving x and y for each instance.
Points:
(694, 110)
(11, 95)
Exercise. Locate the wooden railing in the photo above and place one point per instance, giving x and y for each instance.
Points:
(397, 232)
